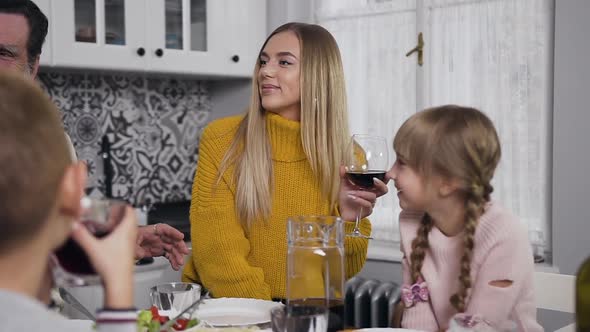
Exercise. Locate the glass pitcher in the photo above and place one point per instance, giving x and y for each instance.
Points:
(315, 266)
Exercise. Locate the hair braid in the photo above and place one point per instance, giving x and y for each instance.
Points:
(474, 206)
(419, 246)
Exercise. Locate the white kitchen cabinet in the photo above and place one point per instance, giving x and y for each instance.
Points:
(201, 37)
(46, 57)
(84, 38)
(245, 34)
(224, 39)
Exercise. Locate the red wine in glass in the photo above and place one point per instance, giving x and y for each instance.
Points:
(335, 310)
(367, 159)
(100, 217)
(73, 259)
(364, 180)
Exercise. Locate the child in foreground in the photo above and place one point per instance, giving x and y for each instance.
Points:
(40, 193)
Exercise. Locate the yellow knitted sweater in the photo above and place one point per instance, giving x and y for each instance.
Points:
(231, 262)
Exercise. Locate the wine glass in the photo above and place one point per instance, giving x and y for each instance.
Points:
(367, 159)
(71, 265)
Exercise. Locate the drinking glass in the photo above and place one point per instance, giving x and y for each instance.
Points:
(299, 319)
(174, 297)
(367, 159)
(71, 265)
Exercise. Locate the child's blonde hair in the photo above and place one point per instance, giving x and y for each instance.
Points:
(453, 142)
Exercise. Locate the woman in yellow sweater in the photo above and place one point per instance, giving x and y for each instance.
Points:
(282, 158)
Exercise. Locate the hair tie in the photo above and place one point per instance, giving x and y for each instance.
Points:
(418, 292)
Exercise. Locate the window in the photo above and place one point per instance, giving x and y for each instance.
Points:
(495, 55)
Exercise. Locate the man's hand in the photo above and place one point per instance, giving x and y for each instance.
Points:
(161, 240)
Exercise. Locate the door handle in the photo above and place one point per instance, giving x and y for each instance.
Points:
(419, 48)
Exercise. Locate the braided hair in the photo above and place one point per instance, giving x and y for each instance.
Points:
(419, 246)
(453, 142)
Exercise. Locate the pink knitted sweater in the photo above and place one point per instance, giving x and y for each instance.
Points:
(502, 252)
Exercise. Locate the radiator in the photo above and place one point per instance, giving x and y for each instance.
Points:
(369, 302)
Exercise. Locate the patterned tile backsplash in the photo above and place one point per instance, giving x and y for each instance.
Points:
(153, 124)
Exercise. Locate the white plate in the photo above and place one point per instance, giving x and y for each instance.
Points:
(229, 311)
(386, 329)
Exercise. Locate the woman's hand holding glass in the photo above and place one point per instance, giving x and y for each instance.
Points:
(362, 178)
(352, 200)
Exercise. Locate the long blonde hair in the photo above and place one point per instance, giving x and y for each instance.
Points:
(324, 126)
(456, 143)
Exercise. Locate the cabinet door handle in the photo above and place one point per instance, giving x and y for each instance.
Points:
(159, 52)
(235, 58)
(141, 51)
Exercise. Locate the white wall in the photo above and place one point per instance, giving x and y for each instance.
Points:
(571, 135)
(229, 97)
(282, 11)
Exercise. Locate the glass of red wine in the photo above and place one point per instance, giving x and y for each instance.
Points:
(71, 265)
(367, 159)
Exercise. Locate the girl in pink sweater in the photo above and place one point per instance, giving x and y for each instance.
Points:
(467, 261)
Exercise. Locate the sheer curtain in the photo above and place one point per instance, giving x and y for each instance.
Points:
(495, 55)
(380, 81)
